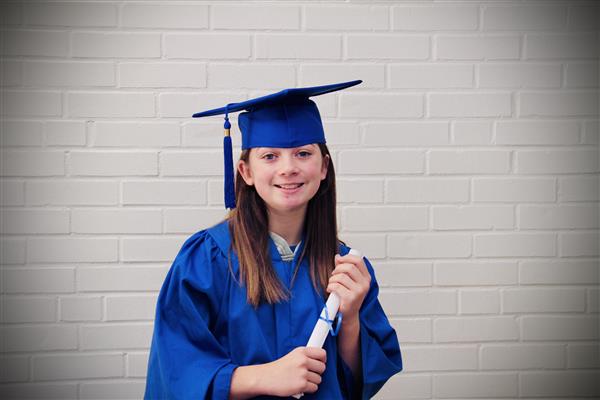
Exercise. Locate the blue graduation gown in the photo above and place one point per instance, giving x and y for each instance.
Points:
(204, 328)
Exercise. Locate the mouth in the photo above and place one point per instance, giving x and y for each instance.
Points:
(289, 186)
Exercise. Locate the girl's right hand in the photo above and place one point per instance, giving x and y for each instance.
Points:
(299, 371)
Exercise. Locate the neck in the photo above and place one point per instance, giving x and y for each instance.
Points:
(287, 224)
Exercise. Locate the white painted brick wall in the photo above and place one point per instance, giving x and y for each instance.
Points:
(467, 163)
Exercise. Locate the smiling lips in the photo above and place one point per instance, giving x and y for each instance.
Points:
(289, 186)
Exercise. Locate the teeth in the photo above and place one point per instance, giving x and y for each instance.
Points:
(290, 186)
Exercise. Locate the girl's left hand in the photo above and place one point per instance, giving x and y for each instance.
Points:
(351, 281)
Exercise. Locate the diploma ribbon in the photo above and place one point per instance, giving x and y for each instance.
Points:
(338, 321)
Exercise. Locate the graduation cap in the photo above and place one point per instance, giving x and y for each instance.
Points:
(284, 119)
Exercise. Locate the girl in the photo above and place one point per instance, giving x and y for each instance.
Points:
(241, 298)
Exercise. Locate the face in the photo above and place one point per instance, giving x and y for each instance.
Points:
(286, 179)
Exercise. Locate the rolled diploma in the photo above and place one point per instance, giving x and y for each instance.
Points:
(321, 329)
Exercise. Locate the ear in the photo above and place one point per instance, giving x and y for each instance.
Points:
(325, 167)
(244, 170)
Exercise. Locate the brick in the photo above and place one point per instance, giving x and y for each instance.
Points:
(164, 192)
(80, 308)
(113, 337)
(116, 221)
(113, 163)
(469, 161)
(113, 390)
(403, 274)
(371, 245)
(429, 190)
(192, 220)
(22, 133)
(296, 46)
(581, 75)
(59, 73)
(558, 217)
(475, 273)
(186, 104)
(262, 76)
(34, 221)
(380, 162)
(384, 218)
(106, 104)
(272, 17)
(41, 43)
(431, 76)
(34, 338)
(569, 384)
(206, 163)
(359, 190)
(12, 193)
(472, 217)
(11, 14)
(17, 309)
(59, 391)
(406, 134)
(134, 134)
(579, 244)
(150, 249)
(514, 245)
(516, 18)
(75, 249)
(571, 272)
(65, 133)
(563, 328)
(537, 132)
(513, 190)
(208, 46)
(12, 251)
(157, 75)
(475, 385)
(480, 104)
(502, 75)
(591, 133)
(429, 245)
(14, 369)
(555, 104)
(522, 356)
(475, 329)
(579, 188)
(471, 132)
(385, 46)
(77, 366)
(116, 45)
(31, 103)
(118, 279)
(137, 364)
(583, 17)
(593, 300)
(130, 308)
(11, 73)
(476, 301)
(561, 46)
(411, 387)
(341, 133)
(347, 18)
(44, 280)
(373, 76)
(33, 163)
(557, 161)
(171, 16)
(358, 105)
(412, 330)
(419, 302)
(540, 300)
(71, 192)
(484, 47)
(583, 356)
(439, 358)
(71, 14)
(439, 17)
(215, 192)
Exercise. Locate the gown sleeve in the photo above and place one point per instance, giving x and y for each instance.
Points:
(379, 347)
(186, 360)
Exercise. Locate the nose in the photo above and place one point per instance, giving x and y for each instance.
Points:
(288, 165)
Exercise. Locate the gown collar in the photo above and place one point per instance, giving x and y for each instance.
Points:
(283, 248)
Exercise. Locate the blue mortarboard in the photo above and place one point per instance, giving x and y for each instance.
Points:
(284, 119)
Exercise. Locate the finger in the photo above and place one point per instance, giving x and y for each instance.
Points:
(358, 261)
(349, 269)
(310, 388)
(346, 281)
(314, 378)
(316, 353)
(316, 366)
(340, 290)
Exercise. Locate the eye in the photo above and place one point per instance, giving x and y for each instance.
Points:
(304, 153)
(268, 156)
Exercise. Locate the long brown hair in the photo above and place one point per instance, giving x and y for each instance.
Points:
(249, 228)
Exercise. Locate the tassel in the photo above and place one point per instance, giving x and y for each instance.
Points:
(228, 163)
